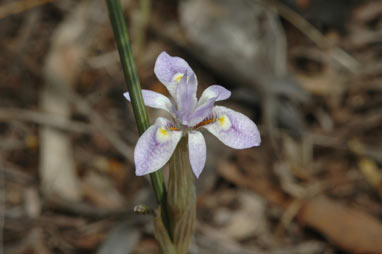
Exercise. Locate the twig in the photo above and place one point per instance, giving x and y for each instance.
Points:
(98, 123)
(336, 143)
(85, 210)
(13, 173)
(20, 6)
(48, 119)
(337, 53)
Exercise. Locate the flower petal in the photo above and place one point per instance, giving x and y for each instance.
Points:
(153, 99)
(170, 70)
(186, 97)
(233, 128)
(197, 151)
(155, 147)
(214, 91)
(201, 112)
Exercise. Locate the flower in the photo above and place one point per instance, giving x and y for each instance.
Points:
(189, 115)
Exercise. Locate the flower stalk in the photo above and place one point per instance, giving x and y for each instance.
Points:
(131, 77)
(181, 198)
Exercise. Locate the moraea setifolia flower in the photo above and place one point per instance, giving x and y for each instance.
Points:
(189, 116)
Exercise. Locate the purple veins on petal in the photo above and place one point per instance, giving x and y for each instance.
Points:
(186, 97)
(155, 147)
(233, 128)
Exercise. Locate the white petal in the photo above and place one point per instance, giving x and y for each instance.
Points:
(233, 128)
(155, 147)
(214, 91)
(201, 112)
(153, 99)
(170, 69)
(197, 151)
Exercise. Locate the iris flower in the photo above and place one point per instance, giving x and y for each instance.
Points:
(189, 116)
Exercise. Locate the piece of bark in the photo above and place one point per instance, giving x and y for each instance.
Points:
(57, 172)
(348, 228)
(69, 47)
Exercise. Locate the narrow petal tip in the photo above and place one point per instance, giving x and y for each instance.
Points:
(215, 91)
(127, 96)
(197, 152)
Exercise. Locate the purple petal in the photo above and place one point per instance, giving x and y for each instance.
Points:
(197, 151)
(153, 99)
(234, 129)
(169, 70)
(215, 91)
(186, 97)
(155, 147)
(201, 112)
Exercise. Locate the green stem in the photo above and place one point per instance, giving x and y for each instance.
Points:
(181, 198)
(128, 65)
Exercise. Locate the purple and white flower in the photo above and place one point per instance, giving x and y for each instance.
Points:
(189, 116)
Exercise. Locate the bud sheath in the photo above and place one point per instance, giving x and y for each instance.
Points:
(181, 198)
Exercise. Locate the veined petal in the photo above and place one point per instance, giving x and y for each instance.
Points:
(170, 70)
(201, 112)
(186, 97)
(214, 91)
(153, 99)
(233, 128)
(155, 147)
(197, 151)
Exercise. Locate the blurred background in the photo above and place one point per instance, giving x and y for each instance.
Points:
(308, 72)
